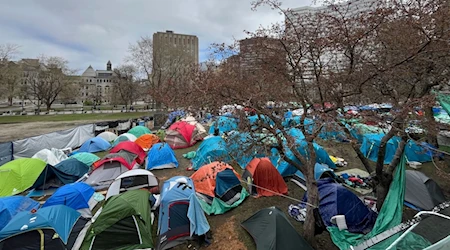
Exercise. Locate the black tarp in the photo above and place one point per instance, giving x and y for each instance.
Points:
(271, 230)
(6, 152)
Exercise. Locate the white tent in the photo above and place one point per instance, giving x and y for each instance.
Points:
(130, 180)
(108, 136)
(52, 157)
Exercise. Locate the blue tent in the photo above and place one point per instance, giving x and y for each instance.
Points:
(319, 171)
(224, 124)
(93, 145)
(180, 215)
(337, 200)
(330, 131)
(161, 156)
(59, 218)
(10, 206)
(211, 149)
(76, 196)
(285, 168)
(413, 151)
(244, 147)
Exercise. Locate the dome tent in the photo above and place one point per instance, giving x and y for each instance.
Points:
(86, 158)
(18, 175)
(108, 136)
(52, 157)
(109, 168)
(261, 172)
(161, 156)
(139, 131)
(94, 145)
(124, 222)
(78, 196)
(422, 192)
(178, 198)
(55, 227)
(219, 188)
(211, 149)
(147, 141)
(12, 205)
(130, 148)
(124, 137)
(181, 135)
(131, 180)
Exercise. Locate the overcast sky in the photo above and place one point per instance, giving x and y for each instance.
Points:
(91, 32)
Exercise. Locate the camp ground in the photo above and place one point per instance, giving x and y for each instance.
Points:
(209, 184)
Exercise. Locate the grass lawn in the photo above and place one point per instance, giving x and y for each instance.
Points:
(71, 117)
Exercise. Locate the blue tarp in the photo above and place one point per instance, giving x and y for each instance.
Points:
(93, 145)
(161, 154)
(173, 116)
(74, 195)
(337, 200)
(285, 168)
(330, 131)
(6, 152)
(60, 218)
(225, 180)
(177, 190)
(224, 124)
(244, 147)
(210, 150)
(10, 206)
(413, 151)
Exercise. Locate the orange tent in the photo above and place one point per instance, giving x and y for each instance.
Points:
(205, 177)
(263, 173)
(147, 141)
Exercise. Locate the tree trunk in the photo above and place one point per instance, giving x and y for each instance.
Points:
(49, 106)
(313, 198)
(357, 150)
(432, 129)
(10, 101)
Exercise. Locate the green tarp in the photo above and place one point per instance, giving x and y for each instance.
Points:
(115, 227)
(86, 158)
(219, 207)
(444, 100)
(389, 216)
(19, 175)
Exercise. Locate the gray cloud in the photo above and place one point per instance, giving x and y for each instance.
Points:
(94, 31)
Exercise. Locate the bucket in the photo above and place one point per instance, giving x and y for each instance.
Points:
(415, 164)
(339, 220)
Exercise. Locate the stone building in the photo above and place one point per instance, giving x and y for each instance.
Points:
(96, 85)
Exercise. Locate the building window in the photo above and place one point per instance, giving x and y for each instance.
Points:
(90, 80)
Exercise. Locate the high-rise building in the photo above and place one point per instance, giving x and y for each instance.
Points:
(171, 48)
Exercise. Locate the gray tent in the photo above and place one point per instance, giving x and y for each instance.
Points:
(421, 191)
(271, 230)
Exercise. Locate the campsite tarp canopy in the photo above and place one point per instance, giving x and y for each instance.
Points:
(124, 223)
(224, 124)
(18, 175)
(271, 230)
(413, 151)
(10, 206)
(211, 149)
(93, 145)
(188, 220)
(421, 191)
(161, 156)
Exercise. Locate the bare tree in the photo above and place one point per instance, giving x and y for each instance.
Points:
(125, 85)
(47, 81)
(9, 72)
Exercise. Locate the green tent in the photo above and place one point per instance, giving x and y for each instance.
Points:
(19, 175)
(139, 130)
(86, 158)
(271, 229)
(124, 223)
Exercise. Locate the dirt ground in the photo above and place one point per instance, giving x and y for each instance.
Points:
(226, 230)
(17, 131)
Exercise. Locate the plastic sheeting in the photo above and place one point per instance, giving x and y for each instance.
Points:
(71, 138)
(52, 157)
(6, 152)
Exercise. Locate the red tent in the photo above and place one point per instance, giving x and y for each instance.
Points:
(180, 135)
(130, 147)
(261, 172)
